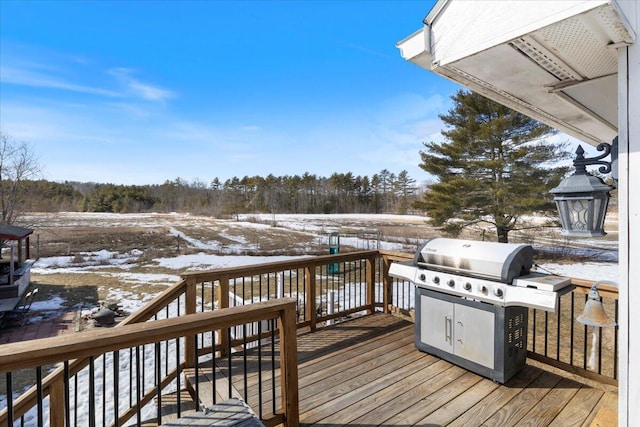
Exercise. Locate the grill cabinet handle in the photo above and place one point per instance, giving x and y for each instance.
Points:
(448, 326)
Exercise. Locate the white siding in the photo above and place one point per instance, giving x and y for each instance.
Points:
(629, 206)
(463, 28)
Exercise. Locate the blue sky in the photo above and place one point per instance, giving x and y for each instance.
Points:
(139, 92)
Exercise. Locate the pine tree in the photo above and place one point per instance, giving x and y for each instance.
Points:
(493, 166)
(405, 189)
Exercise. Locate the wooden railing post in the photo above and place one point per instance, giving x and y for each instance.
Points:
(289, 366)
(310, 280)
(190, 308)
(223, 302)
(387, 288)
(371, 283)
(56, 404)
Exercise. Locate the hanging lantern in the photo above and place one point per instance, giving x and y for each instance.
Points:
(582, 199)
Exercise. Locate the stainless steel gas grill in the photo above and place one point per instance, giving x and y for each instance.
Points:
(472, 302)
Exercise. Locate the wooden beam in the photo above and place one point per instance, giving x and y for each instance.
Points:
(310, 281)
(289, 366)
(572, 369)
(387, 290)
(159, 302)
(223, 302)
(190, 308)
(583, 286)
(56, 404)
(257, 269)
(371, 282)
(28, 354)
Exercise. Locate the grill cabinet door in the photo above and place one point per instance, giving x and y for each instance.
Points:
(474, 333)
(436, 327)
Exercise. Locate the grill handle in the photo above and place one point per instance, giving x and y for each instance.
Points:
(448, 327)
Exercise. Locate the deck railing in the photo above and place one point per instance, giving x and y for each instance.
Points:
(135, 362)
(324, 289)
(559, 340)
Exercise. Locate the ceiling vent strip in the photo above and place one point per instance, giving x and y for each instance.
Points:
(541, 56)
(513, 102)
(581, 40)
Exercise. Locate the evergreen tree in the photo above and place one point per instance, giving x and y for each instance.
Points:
(405, 188)
(493, 166)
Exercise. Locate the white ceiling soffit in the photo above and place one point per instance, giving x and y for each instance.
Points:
(563, 73)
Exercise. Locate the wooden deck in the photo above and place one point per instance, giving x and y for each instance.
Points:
(367, 372)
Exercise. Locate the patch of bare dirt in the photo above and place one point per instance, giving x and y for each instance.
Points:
(56, 241)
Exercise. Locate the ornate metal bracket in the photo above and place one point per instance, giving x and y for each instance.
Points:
(581, 163)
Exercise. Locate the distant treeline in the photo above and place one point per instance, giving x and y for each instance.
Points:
(339, 193)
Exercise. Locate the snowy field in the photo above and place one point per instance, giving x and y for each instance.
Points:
(132, 278)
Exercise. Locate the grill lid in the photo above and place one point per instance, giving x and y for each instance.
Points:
(494, 261)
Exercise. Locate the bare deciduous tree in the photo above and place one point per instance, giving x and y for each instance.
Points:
(18, 163)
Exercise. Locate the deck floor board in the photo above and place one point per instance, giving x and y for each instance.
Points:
(367, 372)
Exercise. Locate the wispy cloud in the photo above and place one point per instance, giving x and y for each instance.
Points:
(139, 88)
(24, 77)
(44, 69)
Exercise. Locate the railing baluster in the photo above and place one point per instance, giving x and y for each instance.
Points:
(40, 414)
(144, 368)
(139, 379)
(104, 390)
(599, 350)
(229, 356)
(202, 296)
(67, 412)
(9, 380)
(167, 351)
(75, 400)
(244, 361)
(600, 347)
(116, 388)
(92, 395)
(572, 327)
(196, 368)
(158, 380)
(584, 343)
(558, 312)
(213, 367)
(546, 332)
(179, 374)
(304, 306)
(535, 329)
(130, 377)
(260, 287)
(273, 365)
(259, 371)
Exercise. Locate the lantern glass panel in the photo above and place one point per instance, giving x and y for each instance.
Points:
(579, 213)
(582, 216)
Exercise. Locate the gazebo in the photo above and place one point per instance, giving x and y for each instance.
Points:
(14, 268)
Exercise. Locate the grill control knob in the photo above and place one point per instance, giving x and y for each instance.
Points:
(498, 292)
(483, 289)
(436, 280)
(467, 286)
(451, 283)
(422, 277)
